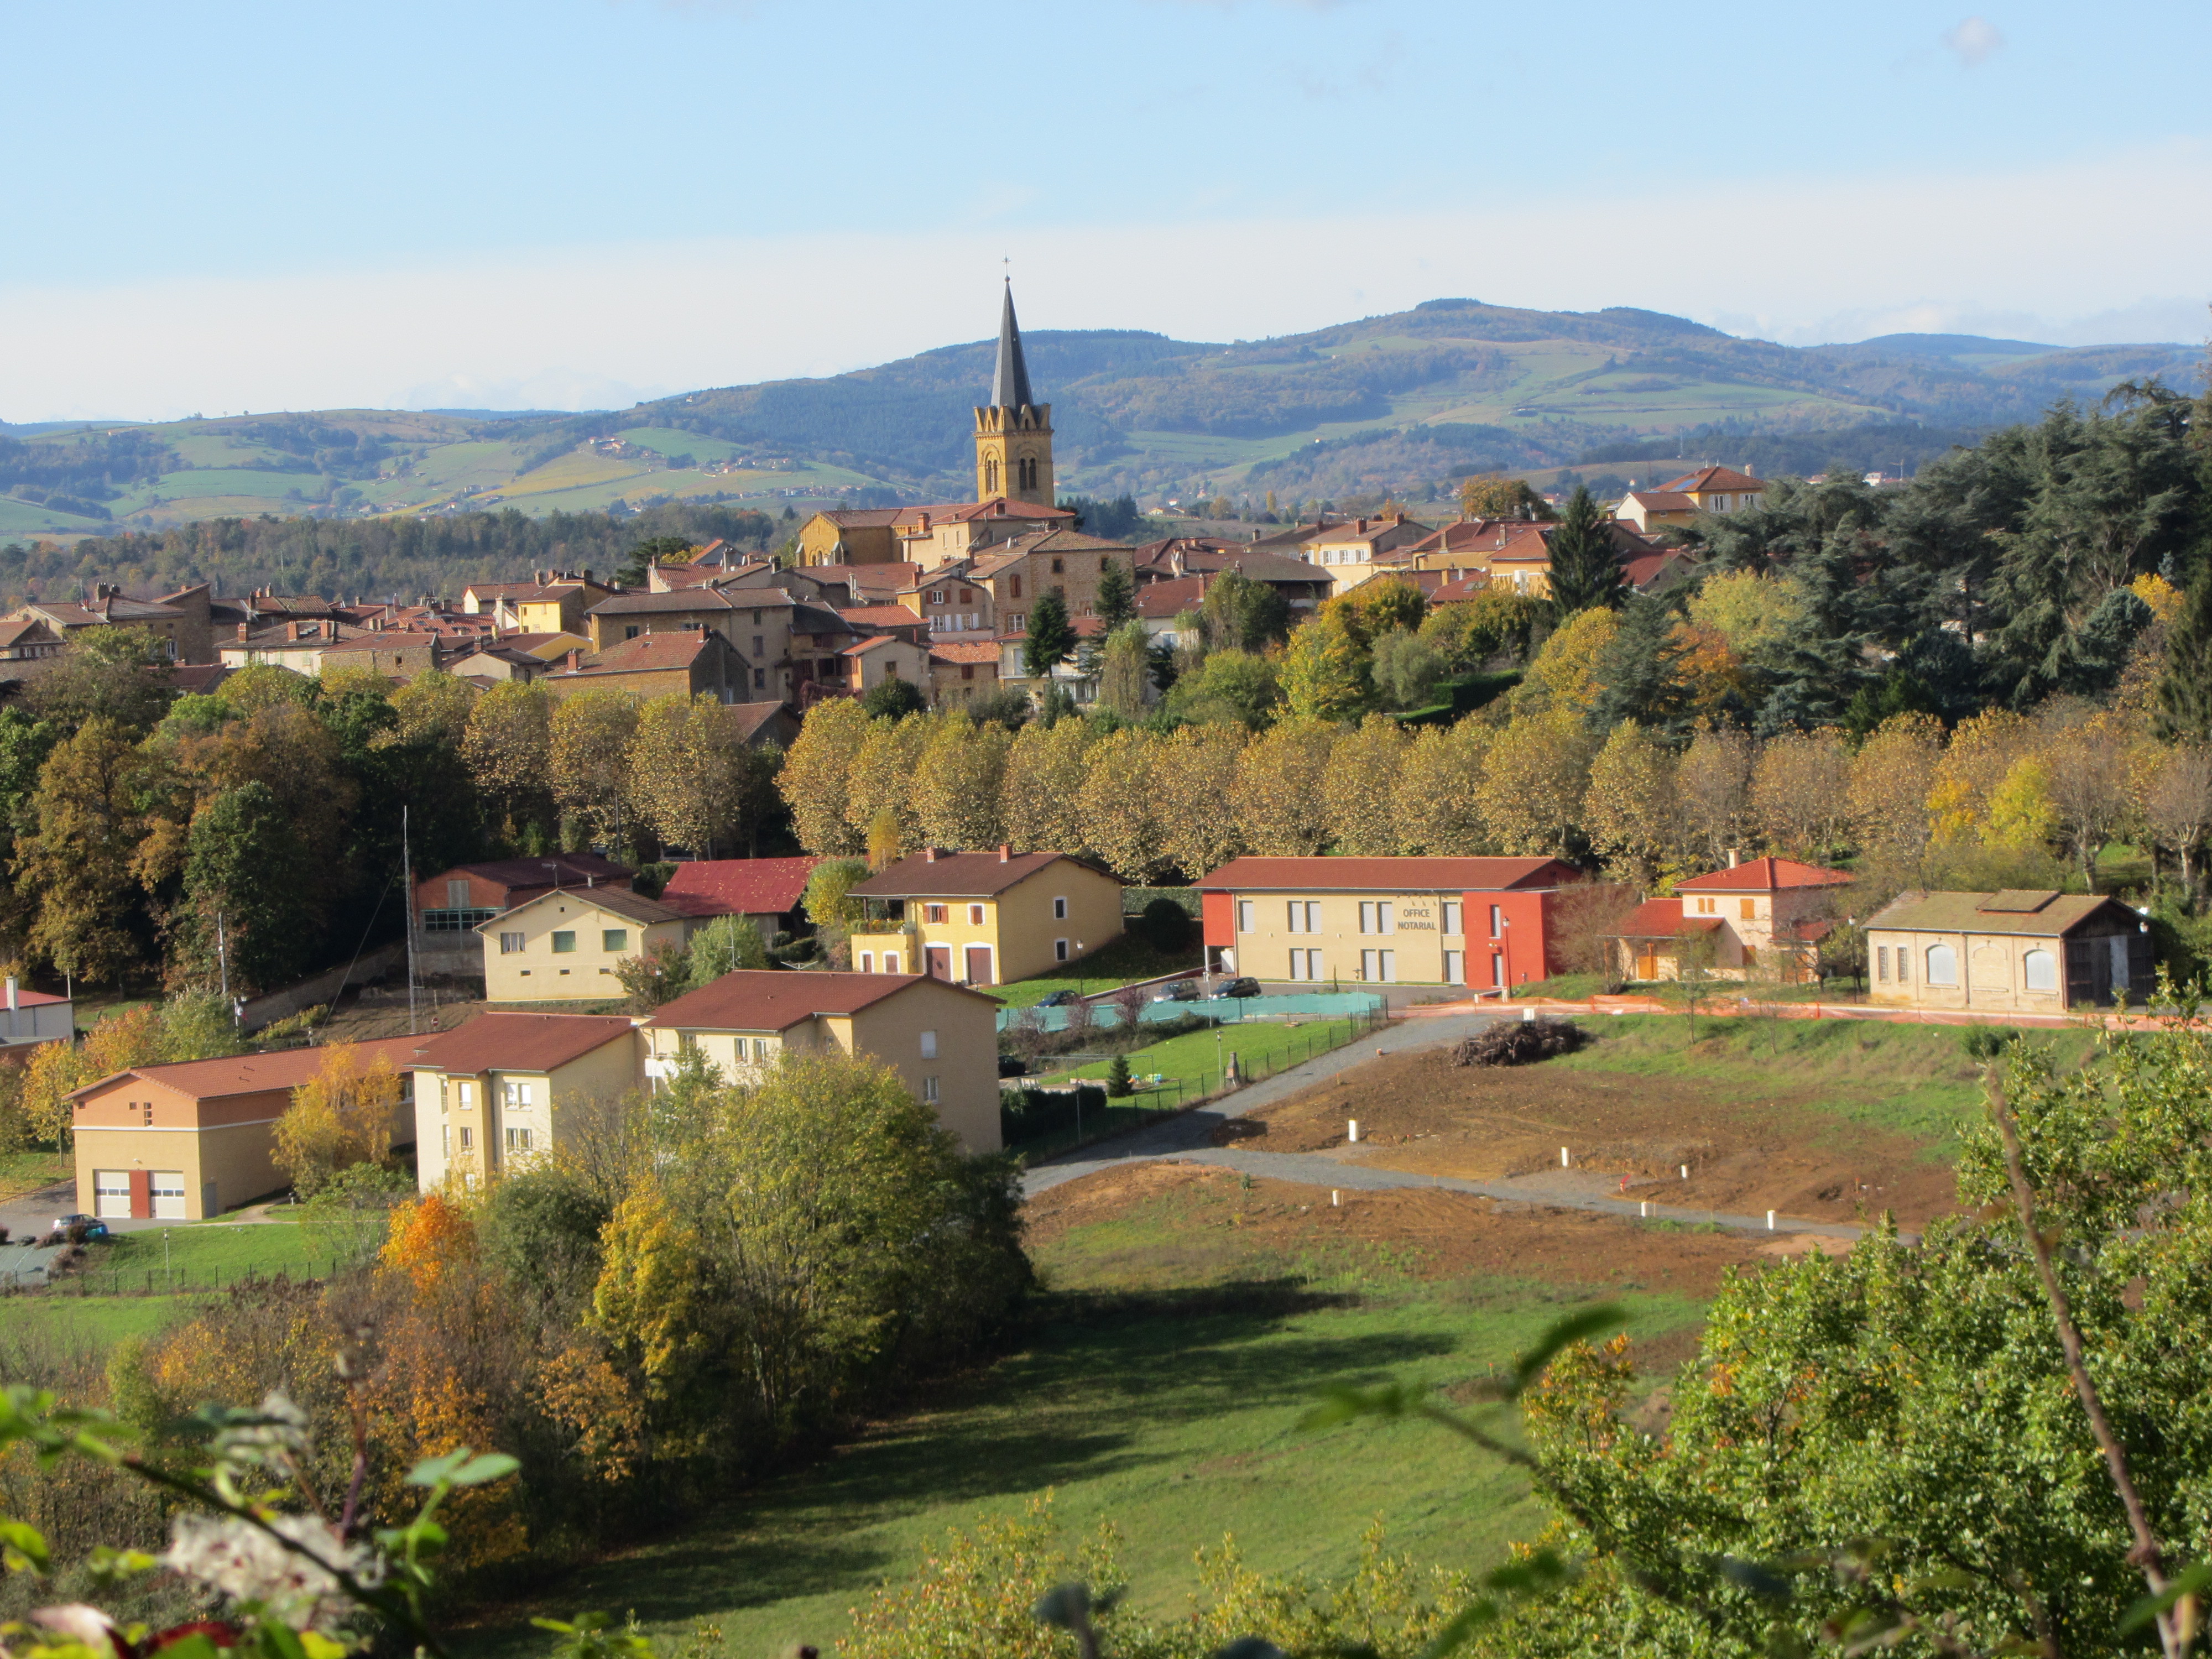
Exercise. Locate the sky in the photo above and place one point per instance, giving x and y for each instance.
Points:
(219, 205)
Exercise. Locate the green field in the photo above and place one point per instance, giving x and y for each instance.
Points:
(1160, 1387)
(1126, 959)
(1195, 1058)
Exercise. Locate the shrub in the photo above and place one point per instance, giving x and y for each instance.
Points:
(1166, 926)
(1985, 1042)
(1118, 1086)
(892, 699)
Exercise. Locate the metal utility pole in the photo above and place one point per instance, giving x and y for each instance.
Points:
(407, 877)
(221, 958)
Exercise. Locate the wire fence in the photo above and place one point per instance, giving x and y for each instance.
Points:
(156, 1281)
(1084, 1113)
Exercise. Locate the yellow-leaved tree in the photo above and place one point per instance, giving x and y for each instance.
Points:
(1435, 802)
(1632, 809)
(881, 781)
(817, 776)
(341, 1116)
(1193, 777)
(959, 785)
(1282, 789)
(1363, 788)
(1043, 776)
(1118, 805)
(1531, 792)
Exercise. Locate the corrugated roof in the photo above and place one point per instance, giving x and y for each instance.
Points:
(953, 875)
(519, 1043)
(761, 1000)
(1967, 913)
(1765, 875)
(1386, 875)
(725, 887)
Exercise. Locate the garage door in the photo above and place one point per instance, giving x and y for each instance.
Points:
(169, 1195)
(111, 1195)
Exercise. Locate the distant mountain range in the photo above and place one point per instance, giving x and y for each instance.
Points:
(1398, 403)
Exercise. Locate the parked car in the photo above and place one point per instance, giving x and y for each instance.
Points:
(1183, 990)
(1056, 999)
(1012, 1065)
(1243, 986)
(79, 1229)
(63, 1223)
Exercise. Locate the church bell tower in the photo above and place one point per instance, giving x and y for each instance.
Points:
(1013, 434)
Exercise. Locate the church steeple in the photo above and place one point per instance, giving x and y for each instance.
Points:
(1013, 432)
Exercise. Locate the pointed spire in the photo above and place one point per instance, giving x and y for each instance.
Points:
(1010, 386)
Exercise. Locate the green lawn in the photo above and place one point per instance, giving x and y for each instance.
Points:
(1159, 1387)
(27, 1172)
(1914, 1080)
(1125, 959)
(1195, 1058)
(97, 1322)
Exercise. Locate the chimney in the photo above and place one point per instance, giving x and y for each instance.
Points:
(1750, 470)
(1006, 852)
(1360, 528)
(1255, 532)
(1732, 858)
(291, 630)
(929, 855)
(586, 577)
(1395, 519)
(575, 661)
(242, 629)
(12, 1003)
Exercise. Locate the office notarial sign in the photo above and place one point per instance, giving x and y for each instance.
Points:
(1417, 915)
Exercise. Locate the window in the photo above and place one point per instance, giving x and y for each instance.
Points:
(929, 1090)
(1903, 969)
(446, 1140)
(1708, 906)
(1378, 917)
(468, 1138)
(518, 1140)
(867, 961)
(629, 633)
(510, 944)
(515, 1094)
(1881, 963)
(2040, 969)
(563, 942)
(929, 1045)
(760, 645)
(975, 915)
(1455, 968)
(1747, 909)
(891, 962)
(760, 1050)
(1379, 966)
(1496, 922)
(454, 921)
(465, 1094)
(966, 595)
(1244, 915)
(1013, 587)
(1060, 909)
(1452, 918)
(1942, 965)
(1059, 566)
(1305, 964)
(756, 617)
(1059, 949)
(615, 938)
(933, 912)
(760, 679)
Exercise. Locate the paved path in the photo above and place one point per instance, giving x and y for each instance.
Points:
(1189, 1139)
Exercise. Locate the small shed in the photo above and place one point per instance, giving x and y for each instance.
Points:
(2019, 951)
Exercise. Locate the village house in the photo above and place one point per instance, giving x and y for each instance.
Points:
(109, 607)
(2011, 952)
(765, 891)
(654, 664)
(28, 1019)
(1348, 552)
(1179, 559)
(949, 603)
(961, 670)
(756, 622)
(1484, 922)
(188, 1140)
(941, 1039)
(28, 648)
(867, 662)
(501, 1091)
(1765, 917)
(984, 918)
(1708, 490)
(454, 901)
(567, 945)
(395, 655)
(552, 602)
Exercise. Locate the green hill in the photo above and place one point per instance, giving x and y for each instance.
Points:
(1390, 403)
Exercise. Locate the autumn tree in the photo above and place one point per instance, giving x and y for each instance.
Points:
(341, 1116)
(1714, 777)
(2177, 805)
(1228, 686)
(2087, 754)
(1633, 807)
(1891, 778)
(589, 760)
(1125, 669)
(434, 707)
(816, 779)
(507, 744)
(880, 786)
(959, 785)
(1363, 788)
(1044, 772)
(1801, 793)
(121, 676)
(1564, 674)
(1325, 673)
(1532, 788)
(1377, 607)
(74, 866)
(1281, 799)
(1469, 632)
(1435, 803)
(1193, 778)
(694, 775)
(1490, 496)
(1117, 807)
(1983, 751)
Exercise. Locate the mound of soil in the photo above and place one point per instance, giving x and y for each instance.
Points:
(1522, 1042)
(1417, 1110)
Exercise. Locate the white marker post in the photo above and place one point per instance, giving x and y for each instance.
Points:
(1563, 1157)
(1769, 1221)
(1352, 1129)
(1335, 1198)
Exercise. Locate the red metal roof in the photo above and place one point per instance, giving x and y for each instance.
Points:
(1763, 876)
(762, 1000)
(738, 887)
(1387, 875)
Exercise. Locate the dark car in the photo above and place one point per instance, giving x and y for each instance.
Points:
(1243, 986)
(1183, 990)
(1012, 1065)
(1056, 999)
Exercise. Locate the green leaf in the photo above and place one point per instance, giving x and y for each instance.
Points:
(491, 1466)
(25, 1548)
(1342, 1405)
(195, 1646)
(2187, 1582)
(279, 1641)
(1568, 1331)
(435, 1471)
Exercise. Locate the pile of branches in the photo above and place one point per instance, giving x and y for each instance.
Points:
(1520, 1042)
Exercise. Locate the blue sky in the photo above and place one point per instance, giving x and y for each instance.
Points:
(230, 206)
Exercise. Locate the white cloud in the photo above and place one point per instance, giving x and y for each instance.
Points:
(1973, 41)
(602, 327)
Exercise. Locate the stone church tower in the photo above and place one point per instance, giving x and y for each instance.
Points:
(1014, 436)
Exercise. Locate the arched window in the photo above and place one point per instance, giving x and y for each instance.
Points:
(2041, 969)
(1942, 965)
(991, 475)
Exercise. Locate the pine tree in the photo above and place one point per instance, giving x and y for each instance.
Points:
(1051, 636)
(1586, 574)
(1117, 1078)
(2184, 695)
(1117, 594)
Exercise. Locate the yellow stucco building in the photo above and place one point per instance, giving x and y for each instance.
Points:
(499, 1093)
(565, 945)
(984, 918)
